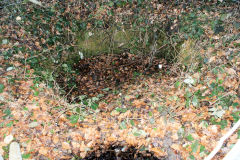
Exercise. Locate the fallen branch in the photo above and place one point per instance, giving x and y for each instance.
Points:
(221, 141)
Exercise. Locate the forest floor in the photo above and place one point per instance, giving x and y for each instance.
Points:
(176, 115)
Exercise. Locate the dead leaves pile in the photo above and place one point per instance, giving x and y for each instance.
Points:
(106, 72)
(156, 118)
(152, 114)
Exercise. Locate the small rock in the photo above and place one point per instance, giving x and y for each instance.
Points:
(8, 139)
(14, 151)
(18, 18)
(33, 124)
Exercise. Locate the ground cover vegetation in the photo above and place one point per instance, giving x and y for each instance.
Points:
(119, 79)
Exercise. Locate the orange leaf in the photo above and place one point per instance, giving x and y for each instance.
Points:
(138, 103)
(66, 145)
(43, 150)
(158, 152)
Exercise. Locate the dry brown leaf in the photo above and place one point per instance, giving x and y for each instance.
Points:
(158, 152)
(131, 140)
(176, 147)
(55, 139)
(175, 136)
(174, 126)
(66, 145)
(189, 117)
(129, 97)
(125, 115)
(32, 107)
(233, 139)
(158, 132)
(44, 150)
(82, 147)
(75, 145)
(231, 83)
(83, 154)
(213, 129)
(138, 103)
(112, 138)
(231, 71)
(212, 59)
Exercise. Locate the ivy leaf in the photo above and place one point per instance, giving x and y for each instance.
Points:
(188, 94)
(188, 102)
(195, 101)
(194, 146)
(216, 112)
(36, 93)
(1, 87)
(10, 124)
(138, 133)
(132, 122)
(26, 156)
(235, 104)
(106, 89)
(177, 84)
(190, 138)
(123, 125)
(202, 148)
(74, 119)
(94, 106)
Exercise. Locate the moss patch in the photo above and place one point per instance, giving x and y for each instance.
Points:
(100, 41)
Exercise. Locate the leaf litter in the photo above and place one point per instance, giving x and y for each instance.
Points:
(155, 116)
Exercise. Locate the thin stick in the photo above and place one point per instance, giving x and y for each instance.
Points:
(221, 141)
(220, 98)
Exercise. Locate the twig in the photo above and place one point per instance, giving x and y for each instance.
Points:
(220, 143)
(220, 98)
(67, 94)
(62, 112)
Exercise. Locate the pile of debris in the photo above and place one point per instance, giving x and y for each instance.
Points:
(106, 72)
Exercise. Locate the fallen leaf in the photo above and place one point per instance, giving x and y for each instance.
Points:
(66, 146)
(75, 145)
(138, 103)
(213, 129)
(43, 150)
(188, 117)
(55, 139)
(176, 147)
(158, 152)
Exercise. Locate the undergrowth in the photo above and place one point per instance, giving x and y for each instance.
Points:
(52, 35)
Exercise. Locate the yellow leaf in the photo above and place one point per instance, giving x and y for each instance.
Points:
(158, 152)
